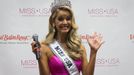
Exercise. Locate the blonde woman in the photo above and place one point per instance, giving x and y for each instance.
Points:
(62, 52)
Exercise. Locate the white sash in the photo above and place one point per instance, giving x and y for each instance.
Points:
(68, 62)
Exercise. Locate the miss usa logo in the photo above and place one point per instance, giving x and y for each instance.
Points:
(28, 63)
(103, 12)
(34, 11)
(108, 62)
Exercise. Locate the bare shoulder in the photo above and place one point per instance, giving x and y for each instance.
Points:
(45, 48)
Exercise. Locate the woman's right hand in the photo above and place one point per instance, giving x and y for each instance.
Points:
(34, 48)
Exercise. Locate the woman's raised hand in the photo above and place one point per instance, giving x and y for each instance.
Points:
(95, 41)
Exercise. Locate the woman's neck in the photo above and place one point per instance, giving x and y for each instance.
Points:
(61, 37)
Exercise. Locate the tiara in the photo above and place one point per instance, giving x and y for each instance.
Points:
(59, 3)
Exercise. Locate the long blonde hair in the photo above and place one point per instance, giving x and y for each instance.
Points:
(73, 41)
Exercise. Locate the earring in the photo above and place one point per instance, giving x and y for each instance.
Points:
(53, 28)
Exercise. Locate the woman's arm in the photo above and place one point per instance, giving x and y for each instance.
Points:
(43, 60)
(88, 67)
(94, 41)
(91, 65)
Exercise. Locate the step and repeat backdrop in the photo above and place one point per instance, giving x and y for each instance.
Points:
(114, 19)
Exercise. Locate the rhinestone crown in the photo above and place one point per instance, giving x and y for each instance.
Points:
(59, 3)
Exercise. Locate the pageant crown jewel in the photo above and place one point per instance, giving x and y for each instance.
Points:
(59, 3)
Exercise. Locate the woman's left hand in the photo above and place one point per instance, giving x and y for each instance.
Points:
(95, 41)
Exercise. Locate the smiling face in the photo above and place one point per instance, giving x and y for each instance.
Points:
(63, 21)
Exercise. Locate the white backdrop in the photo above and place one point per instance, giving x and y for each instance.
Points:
(114, 19)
